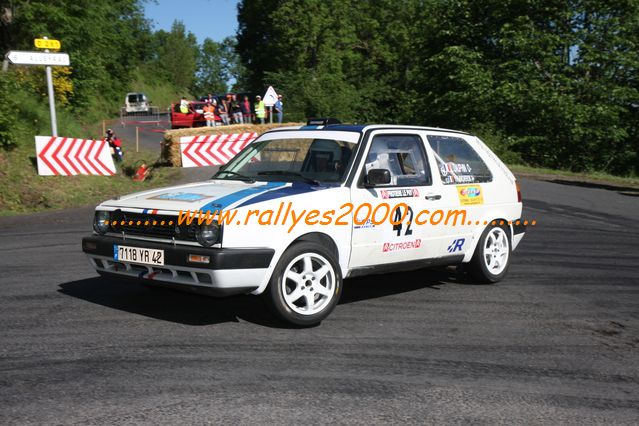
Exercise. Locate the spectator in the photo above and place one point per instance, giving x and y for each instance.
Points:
(184, 105)
(109, 136)
(216, 113)
(245, 106)
(210, 98)
(279, 108)
(236, 110)
(209, 114)
(260, 109)
(223, 110)
(115, 145)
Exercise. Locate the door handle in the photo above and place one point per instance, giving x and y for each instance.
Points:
(433, 197)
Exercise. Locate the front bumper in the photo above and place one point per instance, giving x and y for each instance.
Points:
(229, 271)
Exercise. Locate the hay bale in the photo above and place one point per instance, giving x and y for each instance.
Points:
(170, 146)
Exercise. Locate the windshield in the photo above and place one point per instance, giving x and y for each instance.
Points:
(135, 98)
(303, 159)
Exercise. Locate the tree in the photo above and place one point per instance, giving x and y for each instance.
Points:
(217, 66)
(106, 40)
(555, 81)
(176, 55)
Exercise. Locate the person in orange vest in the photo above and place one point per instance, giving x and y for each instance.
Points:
(209, 114)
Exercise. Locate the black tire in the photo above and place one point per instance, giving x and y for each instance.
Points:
(479, 268)
(331, 284)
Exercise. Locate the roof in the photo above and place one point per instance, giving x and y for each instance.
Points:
(360, 128)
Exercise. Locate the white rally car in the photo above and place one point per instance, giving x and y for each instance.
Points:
(302, 208)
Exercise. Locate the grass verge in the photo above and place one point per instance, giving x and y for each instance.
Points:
(593, 177)
(22, 190)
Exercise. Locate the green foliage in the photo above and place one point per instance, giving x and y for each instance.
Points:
(176, 54)
(546, 82)
(217, 64)
(8, 111)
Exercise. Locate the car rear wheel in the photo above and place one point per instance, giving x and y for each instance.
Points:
(492, 255)
(306, 284)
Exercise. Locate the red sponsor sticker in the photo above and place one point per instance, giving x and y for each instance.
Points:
(399, 193)
(404, 245)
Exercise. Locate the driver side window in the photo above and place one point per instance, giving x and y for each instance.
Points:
(403, 156)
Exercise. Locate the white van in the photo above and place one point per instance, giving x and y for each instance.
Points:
(136, 102)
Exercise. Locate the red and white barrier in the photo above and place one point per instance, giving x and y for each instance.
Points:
(212, 150)
(71, 156)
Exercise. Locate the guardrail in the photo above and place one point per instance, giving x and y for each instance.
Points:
(152, 116)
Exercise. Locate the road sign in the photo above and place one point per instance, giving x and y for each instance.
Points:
(70, 156)
(19, 57)
(45, 43)
(212, 150)
(270, 97)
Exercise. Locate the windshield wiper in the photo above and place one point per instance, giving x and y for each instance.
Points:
(240, 176)
(288, 173)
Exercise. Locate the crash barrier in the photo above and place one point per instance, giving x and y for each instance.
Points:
(172, 148)
(212, 150)
(152, 116)
(58, 156)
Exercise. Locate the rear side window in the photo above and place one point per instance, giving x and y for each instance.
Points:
(457, 161)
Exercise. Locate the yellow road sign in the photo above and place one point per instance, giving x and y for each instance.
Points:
(43, 43)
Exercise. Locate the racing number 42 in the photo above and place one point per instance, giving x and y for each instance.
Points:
(398, 217)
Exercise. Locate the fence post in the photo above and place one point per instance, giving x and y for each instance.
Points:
(137, 139)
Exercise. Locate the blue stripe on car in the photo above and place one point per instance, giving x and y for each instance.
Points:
(225, 201)
(295, 189)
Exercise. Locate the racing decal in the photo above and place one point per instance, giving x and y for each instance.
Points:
(150, 211)
(398, 218)
(456, 173)
(405, 245)
(399, 193)
(180, 196)
(470, 195)
(456, 245)
(366, 225)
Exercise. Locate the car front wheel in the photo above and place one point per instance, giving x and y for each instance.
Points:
(492, 255)
(306, 284)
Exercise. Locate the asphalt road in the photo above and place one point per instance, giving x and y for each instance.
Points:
(556, 342)
(150, 131)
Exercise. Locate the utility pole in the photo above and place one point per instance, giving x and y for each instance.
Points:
(54, 119)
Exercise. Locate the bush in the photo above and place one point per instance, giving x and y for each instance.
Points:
(499, 143)
(8, 111)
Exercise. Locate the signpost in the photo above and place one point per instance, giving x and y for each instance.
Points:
(47, 59)
(269, 100)
(45, 43)
(20, 57)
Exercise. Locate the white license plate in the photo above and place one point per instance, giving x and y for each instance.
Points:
(138, 255)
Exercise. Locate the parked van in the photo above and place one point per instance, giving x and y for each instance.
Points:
(136, 102)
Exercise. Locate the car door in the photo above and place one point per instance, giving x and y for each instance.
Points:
(383, 214)
(461, 178)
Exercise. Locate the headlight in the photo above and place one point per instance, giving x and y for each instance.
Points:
(207, 235)
(100, 222)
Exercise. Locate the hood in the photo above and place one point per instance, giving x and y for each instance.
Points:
(209, 195)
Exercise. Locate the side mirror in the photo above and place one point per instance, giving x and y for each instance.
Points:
(378, 177)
